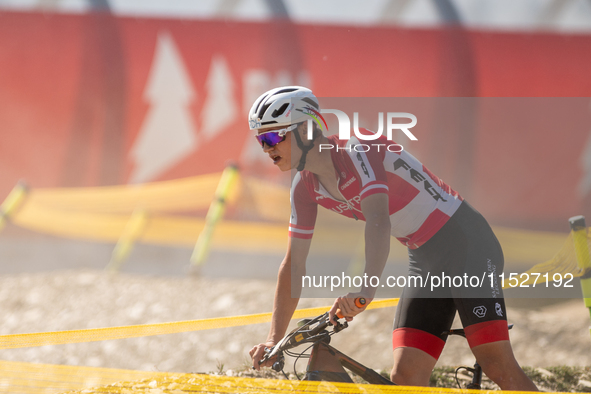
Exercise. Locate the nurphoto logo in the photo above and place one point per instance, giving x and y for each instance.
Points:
(345, 129)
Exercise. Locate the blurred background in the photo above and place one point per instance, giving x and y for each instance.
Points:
(108, 106)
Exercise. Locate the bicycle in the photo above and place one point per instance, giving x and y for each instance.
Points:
(326, 363)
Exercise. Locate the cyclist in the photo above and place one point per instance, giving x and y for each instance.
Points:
(394, 194)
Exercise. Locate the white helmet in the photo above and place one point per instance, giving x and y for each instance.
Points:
(282, 107)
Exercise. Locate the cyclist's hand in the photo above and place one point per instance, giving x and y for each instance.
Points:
(257, 353)
(346, 306)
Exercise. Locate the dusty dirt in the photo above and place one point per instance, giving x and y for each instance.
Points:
(543, 336)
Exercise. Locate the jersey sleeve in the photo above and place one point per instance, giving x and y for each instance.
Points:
(303, 210)
(369, 169)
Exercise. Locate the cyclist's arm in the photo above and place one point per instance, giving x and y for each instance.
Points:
(291, 271)
(285, 303)
(377, 247)
(377, 237)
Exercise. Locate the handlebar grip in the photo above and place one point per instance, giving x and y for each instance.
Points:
(359, 303)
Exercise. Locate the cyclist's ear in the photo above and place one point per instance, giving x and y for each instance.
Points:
(302, 130)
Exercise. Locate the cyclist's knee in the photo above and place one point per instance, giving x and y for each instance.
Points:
(507, 376)
(500, 369)
(409, 377)
(495, 357)
(499, 364)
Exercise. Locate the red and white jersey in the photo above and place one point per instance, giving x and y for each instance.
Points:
(420, 203)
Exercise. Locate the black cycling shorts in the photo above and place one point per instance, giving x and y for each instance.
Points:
(465, 258)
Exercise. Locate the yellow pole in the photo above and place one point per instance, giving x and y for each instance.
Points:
(131, 233)
(579, 231)
(12, 202)
(214, 214)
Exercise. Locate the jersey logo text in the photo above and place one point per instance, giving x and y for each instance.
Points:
(418, 177)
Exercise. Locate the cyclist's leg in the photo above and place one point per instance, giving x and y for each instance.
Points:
(417, 338)
(422, 315)
(486, 330)
(499, 364)
(412, 367)
(482, 308)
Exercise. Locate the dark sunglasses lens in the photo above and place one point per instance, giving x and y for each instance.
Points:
(270, 139)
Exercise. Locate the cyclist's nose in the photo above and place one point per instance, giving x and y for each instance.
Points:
(267, 148)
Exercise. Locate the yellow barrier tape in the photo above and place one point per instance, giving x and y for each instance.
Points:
(245, 236)
(33, 378)
(563, 262)
(101, 214)
(180, 195)
(527, 247)
(241, 236)
(267, 200)
(166, 230)
(13, 341)
(29, 378)
(222, 384)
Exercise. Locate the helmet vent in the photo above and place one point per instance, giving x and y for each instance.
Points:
(259, 104)
(287, 90)
(264, 109)
(279, 111)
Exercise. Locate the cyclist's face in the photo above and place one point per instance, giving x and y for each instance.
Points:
(280, 153)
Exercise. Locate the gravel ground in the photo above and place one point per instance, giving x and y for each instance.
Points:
(544, 335)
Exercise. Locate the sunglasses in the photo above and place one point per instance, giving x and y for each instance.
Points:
(272, 138)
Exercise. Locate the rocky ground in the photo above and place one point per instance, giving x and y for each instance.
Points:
(545, 334)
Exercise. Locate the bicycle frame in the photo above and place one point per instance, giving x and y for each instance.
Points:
(325, 362)
(328, 363)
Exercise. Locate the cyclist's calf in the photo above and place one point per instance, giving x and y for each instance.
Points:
(499, 365)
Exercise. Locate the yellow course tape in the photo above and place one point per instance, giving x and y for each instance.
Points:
(178, 195)
(13, 341)
(18, 377)
(563, 262)
(268, 200)
(262, 209)
(188, 383)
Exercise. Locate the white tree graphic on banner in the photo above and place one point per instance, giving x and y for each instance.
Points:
(168, 133)
(220, 109)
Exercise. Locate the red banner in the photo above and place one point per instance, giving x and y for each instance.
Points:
(94, 99)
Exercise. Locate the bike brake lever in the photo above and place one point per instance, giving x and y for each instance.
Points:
(266, 356)
(340, 326)
(279, 364)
